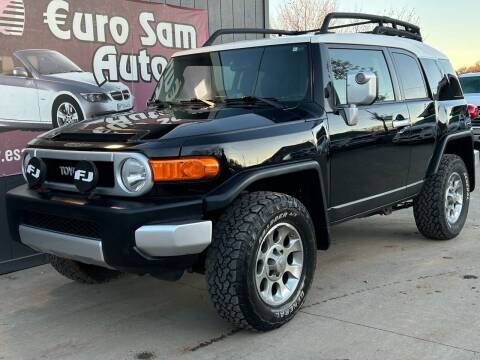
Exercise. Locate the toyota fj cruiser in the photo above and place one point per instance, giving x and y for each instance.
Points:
(246, 155)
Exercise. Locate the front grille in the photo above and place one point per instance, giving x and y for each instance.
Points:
(117, 95)
(61, 171)
(76, 227)
(120, 95)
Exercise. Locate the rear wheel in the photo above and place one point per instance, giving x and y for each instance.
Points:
(262, 260)
(441, 209)
(82, 273)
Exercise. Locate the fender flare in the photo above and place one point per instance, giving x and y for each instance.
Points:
(440, 151)
(225, 194)
(69, 94)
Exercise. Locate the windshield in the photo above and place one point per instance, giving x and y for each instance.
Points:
(50, 62)
(471, 85)
(276, 72)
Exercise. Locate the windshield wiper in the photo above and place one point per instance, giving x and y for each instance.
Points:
(164, 104)
(210, 103)
(273, 102)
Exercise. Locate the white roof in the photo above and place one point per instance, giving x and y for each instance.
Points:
(418, 48)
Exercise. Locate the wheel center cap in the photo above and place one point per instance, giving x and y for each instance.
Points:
(277, 263)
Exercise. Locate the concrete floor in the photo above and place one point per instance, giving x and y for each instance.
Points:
(381, 292)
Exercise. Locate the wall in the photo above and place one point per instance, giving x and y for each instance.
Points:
(222, 14)
(229, 14)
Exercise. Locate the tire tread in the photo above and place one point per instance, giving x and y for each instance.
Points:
(225, 263)
(428, 206)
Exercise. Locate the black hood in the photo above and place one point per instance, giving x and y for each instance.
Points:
(154, 124)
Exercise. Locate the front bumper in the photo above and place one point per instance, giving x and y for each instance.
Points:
(93, 110)
(133, 236)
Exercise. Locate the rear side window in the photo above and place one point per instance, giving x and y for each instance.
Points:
(345, 60)
(435, 76)
(410, 76)
(454, 89)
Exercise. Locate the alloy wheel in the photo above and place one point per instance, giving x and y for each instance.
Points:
(279, 264)
(66, 114)
(454, 198)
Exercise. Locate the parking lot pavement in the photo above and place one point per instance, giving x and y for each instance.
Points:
(381, 292)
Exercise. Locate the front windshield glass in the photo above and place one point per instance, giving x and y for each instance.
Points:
(471, 85)
(275, 72)
(50, 62)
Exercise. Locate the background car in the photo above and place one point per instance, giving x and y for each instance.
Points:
(44, 86)
(471, 88)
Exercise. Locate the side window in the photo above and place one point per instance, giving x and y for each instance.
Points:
(410, 76)
(455, 89)
(345, 60)
(434, 76)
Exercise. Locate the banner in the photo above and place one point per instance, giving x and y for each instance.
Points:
(64, 61)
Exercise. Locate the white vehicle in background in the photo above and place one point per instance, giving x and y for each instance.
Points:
(471, 88)
(44, 87)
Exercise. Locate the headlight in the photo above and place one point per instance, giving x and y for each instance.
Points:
(26, 159)
(134, 175)
(96, 97)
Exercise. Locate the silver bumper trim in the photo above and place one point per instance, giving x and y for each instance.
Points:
(476, 155)
(174, 240)
(85, 250)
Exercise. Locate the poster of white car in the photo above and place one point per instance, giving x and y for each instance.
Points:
(46, 87)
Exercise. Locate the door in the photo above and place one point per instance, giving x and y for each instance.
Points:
(368, 161)
(421, 107)
(19, 95)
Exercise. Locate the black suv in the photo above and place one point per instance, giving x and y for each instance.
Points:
(246, 155)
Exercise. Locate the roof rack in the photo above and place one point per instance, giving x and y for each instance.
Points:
(221, 32)
(385, 25)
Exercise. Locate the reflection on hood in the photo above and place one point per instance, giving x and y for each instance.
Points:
(177, 122)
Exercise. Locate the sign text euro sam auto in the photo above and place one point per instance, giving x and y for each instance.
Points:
(109, 65)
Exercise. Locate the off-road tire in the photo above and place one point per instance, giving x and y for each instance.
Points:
(429, 206)
(230, 263)
(82, 273)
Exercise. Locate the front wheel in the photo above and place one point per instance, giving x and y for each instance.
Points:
(441, 208)
(262, 260)
(66, 111)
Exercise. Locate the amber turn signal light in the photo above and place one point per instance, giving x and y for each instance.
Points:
(183, 169)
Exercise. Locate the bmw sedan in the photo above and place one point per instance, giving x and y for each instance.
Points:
(44, 87)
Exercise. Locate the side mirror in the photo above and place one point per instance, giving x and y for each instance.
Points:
(20, 72)
(362, 89)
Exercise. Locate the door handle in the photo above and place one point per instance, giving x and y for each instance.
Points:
(400, 121)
